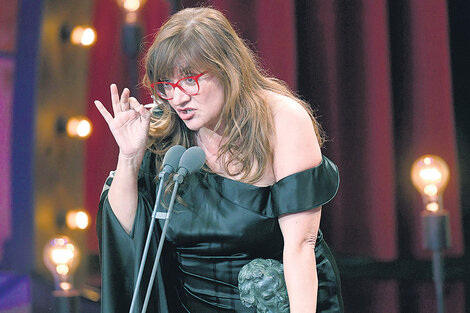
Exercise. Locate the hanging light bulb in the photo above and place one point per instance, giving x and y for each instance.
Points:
(77, 219)
(61, 257)
(131, 9)
(430, 175)
(79, 127)
(79, 35)
(131, 5)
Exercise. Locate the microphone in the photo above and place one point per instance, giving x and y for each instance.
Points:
(171, 161)
(191, 160)
(172, 158)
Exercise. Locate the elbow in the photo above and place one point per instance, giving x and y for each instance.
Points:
(303, 243)
(310, 240)
(301, 250)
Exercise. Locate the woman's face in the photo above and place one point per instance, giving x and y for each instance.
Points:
(203, 109)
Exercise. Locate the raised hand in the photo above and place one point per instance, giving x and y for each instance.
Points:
(130, 124)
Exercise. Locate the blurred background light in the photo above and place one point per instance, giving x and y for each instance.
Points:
(85, 36)
(131, 5)
(77, 219)
(61, 257)
(79, 127)
(79, 35)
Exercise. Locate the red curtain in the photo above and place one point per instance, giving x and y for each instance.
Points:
(383, 94)
(108, 64)
(348, 79)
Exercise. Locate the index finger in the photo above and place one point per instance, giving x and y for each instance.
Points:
(106, 115)
(115, 98)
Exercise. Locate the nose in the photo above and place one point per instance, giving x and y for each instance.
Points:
(179, 97)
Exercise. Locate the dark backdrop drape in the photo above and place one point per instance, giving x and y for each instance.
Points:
(378, 73)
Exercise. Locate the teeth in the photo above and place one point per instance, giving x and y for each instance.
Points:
(187, 111)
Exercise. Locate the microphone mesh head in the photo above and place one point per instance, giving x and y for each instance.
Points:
(193, 159)
(173, 156)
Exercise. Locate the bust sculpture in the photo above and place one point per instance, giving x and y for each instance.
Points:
(262, 286)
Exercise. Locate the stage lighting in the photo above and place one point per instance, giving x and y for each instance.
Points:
(79, 127)
(75, 127)
(131, 5)
(80, 35)
(62, 257)
(430, 175)
(77, 219)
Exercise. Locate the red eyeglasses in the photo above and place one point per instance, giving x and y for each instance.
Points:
(189, 85)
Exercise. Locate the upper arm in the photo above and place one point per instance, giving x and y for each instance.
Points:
(296, 149)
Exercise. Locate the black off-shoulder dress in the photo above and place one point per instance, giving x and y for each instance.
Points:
(223, 225)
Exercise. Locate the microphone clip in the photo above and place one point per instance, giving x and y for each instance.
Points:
(163, 176)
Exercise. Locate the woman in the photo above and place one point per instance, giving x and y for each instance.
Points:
(258, 196)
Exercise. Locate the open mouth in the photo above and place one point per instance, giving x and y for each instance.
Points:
(186, 114)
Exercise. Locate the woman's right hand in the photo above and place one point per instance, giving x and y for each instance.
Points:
(130, 124)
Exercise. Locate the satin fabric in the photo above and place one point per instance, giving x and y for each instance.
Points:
(219, 226)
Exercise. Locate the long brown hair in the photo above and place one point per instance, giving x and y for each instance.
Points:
(201, 39)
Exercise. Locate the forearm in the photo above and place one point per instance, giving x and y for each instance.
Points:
(123, 194)
(301, 278)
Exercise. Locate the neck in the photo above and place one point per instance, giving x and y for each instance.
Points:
(209, 140)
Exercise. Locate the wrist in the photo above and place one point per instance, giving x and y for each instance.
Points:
(130, 162)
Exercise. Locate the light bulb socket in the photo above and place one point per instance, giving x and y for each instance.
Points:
(436, 229)
(60, 220)
(66, 301)
(64, 32)
(60, 125)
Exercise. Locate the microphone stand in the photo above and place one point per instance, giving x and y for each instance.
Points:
(163, 176)
(178, 178)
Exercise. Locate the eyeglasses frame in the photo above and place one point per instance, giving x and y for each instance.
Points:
(176, 85)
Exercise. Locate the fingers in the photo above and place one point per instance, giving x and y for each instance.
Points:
(139, 108)
(106, 115)
(134, 103)
(124, 103)
(115, 99)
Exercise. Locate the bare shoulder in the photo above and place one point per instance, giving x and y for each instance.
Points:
(285, 109)
(295, 146)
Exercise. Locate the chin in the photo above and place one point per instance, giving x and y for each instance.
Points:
(191, 125)
(195, 125)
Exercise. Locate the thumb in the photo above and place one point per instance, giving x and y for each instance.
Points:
(139, 108)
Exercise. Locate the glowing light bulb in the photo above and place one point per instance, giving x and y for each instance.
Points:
(77, 219)
(430, 175)
(79, 127)
(61, 257)
(131, 5)
(81, 35)
(432, 206)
